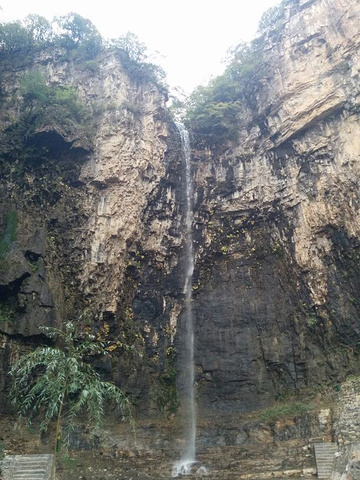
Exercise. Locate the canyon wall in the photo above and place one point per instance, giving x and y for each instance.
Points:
(83, 212)
(93, 231)
(277, 299)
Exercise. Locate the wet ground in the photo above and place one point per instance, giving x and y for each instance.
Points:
(117, 453)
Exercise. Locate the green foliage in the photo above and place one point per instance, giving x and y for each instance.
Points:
(244, 61)
(278, 250)
(66, 104)
(132, 46)
(6, 311)
(38, 29)
(63, 101)
(13, 37)
(81, 40)
(70, 31)
(8, 235)
(271, 17)
(167, 395)
(312, 321)
(91, 65)
(16, 36)
(280, 410)
(79, 32)
(75, 29)
(134, 56)
(43, 105)
(59, 384)
(214, 111)
(33, 88)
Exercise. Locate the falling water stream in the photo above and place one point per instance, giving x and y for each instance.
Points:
(185, 465)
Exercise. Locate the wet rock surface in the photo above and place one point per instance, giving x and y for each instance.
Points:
(277, 221)
(99, 230)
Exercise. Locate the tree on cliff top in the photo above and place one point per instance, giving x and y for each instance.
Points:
(134, 56)
(213, 111)
(77, 31)
(58, 383)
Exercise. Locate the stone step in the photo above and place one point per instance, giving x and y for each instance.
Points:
(325, 457)
(27, 467)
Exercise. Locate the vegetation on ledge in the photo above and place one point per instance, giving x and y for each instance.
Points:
(79, 39)
(213, 112)
(40, 119)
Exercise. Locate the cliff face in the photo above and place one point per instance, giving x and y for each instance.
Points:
(93, 230)
(81, 213)
(278, 221)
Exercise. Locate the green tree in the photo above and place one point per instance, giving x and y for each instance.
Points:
(59, 105)
(132, 46)
(58, 383)
(213, 111)
(38, 28)
(78, 31)
(271, 17)
(13, 37)
(134, 56)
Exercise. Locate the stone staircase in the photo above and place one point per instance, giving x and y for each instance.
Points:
(325, 457)
(27, 467)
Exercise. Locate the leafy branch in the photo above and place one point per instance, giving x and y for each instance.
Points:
(59, 384)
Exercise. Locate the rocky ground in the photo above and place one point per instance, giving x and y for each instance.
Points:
(275, 443)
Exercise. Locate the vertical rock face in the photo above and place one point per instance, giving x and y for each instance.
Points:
(277, 298)
(81, 221)
(92, 229)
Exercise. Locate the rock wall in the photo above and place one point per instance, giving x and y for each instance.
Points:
(94, 229)
(277, 298)
(80, 221)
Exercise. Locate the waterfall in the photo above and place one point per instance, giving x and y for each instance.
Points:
(183, 467)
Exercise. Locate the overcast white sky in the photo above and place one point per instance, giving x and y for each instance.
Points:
(192, 36)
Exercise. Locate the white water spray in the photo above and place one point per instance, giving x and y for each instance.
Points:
(184, 466)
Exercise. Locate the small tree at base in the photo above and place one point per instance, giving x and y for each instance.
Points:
(57, 383)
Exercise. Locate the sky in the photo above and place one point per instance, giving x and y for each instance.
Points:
(190, 36)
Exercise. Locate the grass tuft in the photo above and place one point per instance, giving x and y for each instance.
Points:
(289, 409)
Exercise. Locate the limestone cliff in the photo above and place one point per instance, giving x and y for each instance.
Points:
(92, 222)
(277, 303)
(80, 209)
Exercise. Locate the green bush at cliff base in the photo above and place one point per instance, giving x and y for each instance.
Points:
(167, 394)
(280, 410)
(59, 384)
(8, 235)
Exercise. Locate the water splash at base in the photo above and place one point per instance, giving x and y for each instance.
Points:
(188, 467)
